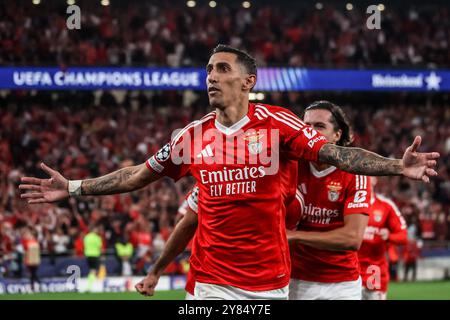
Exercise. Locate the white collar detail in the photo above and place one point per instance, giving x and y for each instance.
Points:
(321, 174)
(233, 128)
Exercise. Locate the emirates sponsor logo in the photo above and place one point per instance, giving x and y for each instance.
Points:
(319, 215)
(232, 181)
(229, 175)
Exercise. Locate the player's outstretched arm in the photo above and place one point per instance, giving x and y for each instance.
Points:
(183, 233)
(414, 165)
(57, 187)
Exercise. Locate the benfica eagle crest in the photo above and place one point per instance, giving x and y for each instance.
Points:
(254, 145)
(334, 191)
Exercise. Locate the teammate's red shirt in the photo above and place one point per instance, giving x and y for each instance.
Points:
(329, 195)
(241, 238)
(373, 251)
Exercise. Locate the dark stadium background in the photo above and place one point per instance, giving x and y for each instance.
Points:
(87, 133)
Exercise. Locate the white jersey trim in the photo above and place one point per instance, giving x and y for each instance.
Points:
(209, 116)
(263, 110)
(234, 128)
(394, 207)
(320, 174)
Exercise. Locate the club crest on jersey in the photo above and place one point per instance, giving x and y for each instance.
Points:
(377, 215)
(334, 189)
(254, 145)
(163, 153)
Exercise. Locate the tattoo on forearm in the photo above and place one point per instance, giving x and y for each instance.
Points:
(359, 161)
(116, 182)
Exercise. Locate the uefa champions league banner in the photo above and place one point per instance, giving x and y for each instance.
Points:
(269, 79)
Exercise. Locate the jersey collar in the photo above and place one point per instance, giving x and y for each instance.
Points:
(238, 125)
(321, 174)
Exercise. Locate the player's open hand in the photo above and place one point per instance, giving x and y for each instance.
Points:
(418, 165)
(45, 190)
(147, 286)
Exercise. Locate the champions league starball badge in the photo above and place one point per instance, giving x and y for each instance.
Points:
(163, 153)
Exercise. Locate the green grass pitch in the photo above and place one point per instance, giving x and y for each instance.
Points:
(433, 290)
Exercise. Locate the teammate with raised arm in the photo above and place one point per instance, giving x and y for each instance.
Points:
(234, 153)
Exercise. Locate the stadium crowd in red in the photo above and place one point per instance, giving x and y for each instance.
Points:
(170, 34)
(85, 140)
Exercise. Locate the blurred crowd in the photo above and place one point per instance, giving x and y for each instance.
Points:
(169, 33)
(86, 134)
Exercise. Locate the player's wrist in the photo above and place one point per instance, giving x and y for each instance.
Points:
(400, 167)
(74, 188)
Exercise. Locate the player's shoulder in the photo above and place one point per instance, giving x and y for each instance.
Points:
(269, 109)
(386, 201)
(279, 115)
(359, 182)
(189, 128)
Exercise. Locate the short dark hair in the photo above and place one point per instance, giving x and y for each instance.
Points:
(338, 119)
(242, 57)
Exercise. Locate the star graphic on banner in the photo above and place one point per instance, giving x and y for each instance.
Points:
(433, 81)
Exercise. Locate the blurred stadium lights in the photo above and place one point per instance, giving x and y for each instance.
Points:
(319, 6)
(105, 2)
(246, 4)
(256, 96)
(212, 4)
(381, 7)
(36, 2)
(70, 2)
(191, 3)
(349, 6)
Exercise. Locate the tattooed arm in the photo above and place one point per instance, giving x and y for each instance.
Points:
(120, 181)
(359, 161)
(414, 165)
(56, 187)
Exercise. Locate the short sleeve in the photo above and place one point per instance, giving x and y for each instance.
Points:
(169, 160)
(299, 140)
(358, 195)
(192, 199)
(294, 211)
(395, 220)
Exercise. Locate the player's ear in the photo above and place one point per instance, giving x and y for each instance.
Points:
(249, 82)
(337, 135)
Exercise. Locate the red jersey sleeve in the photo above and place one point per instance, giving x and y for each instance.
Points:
(169, 160)
(192, 199)
(299, 140)
(395, 220)
(294, 211)
(358, 195)
(396, 224)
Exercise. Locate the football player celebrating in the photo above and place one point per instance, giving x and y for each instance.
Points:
(235, 154)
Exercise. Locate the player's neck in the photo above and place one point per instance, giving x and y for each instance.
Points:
(232, 113)
(320, 166)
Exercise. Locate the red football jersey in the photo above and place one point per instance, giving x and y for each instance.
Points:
(294, 209)
(329, 195)
(241, 238)
(372, 254)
